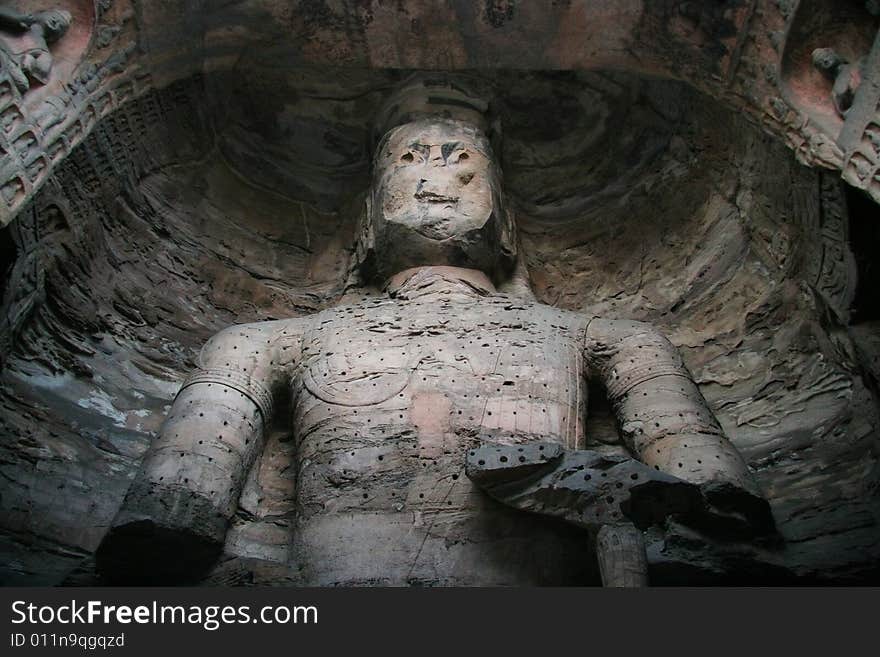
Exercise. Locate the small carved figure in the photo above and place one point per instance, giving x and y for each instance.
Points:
(389, 395)
(845, 77)
(26, 43)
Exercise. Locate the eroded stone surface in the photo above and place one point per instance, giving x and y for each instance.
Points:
(438, 361)
(135, 254)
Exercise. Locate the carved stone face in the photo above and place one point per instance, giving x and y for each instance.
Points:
(826, 60)
(437, 198)
(55, 23)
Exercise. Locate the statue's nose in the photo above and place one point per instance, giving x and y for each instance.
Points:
(435, 157)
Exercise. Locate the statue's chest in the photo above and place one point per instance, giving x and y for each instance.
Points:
(444, 368)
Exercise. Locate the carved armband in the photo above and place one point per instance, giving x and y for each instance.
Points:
(234, 379)
(626, 376)
(633, 356)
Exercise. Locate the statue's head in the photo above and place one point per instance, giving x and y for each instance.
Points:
(54, 22)
(827, 61)
(436, 196)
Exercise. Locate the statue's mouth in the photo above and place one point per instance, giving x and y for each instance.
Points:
(433, 197)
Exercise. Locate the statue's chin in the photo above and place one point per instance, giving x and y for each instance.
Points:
(441, 221)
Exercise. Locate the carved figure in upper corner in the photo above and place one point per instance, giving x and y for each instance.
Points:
(390, 394)
(25, 40)
(845, 77)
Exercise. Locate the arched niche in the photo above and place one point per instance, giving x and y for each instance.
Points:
(845, 26)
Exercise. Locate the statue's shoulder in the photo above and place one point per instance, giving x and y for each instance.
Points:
(259, 334)
(555, 317)
(352, 305)
(292, 326)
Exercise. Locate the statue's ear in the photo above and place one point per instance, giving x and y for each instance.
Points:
(507, 237)
(365, 246)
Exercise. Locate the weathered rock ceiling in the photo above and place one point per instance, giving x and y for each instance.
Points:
(209, 162)
(752, 55)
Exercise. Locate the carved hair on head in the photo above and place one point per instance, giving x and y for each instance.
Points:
(429, 95)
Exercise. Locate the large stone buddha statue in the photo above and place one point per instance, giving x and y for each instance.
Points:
(390, 395)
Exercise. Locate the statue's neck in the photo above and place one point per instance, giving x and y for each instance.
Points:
(422, 281)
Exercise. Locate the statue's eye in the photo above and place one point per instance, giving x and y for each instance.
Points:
(406, 157)
(463, 156)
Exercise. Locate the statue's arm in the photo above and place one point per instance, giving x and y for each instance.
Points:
(664, 419)
(190, 481)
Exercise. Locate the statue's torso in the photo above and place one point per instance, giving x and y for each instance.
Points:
(389, 395)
